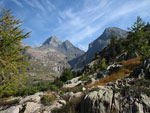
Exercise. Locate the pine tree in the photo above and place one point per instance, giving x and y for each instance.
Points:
(138, 25)
(136, 35)
(113, 40)
(66, 75)
(137, 39)
(12, 61)
(103, 64)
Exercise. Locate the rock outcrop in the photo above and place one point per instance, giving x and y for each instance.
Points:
(33, 104)
(143, 71)
(107, 100)
(128, 95)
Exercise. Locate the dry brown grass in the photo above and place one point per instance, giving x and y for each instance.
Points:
(111, 78)
(129, 65)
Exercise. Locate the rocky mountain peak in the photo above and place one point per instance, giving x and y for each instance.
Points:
(53, 41)
(67, 44)
(113, 31)
(98, 45)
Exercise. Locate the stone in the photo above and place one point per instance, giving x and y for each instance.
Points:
(83, 89)
(113, 66)
(63, 102)
(13, 109)
(72, 83)
(32, 107)
(97, 101)
(53, 106)
(106, 100)
(35, 98)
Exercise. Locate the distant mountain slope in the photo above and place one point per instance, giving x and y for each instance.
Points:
(66, 47)
(52, 57)
(97, 45)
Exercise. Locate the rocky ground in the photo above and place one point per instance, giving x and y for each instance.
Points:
(127, 95)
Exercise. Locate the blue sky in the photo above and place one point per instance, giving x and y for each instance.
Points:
(80, 21)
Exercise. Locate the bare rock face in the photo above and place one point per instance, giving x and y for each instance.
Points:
(98, 101)
(35, 98)
(128, 95)
(107, 101)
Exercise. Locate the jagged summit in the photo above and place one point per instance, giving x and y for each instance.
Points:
(113, 31)
(66, 47)
(67, 44)
(53, 41)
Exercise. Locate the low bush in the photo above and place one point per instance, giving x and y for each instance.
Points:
(71, 107)
(28, 90)
(84, 78)
(10, 102)
(54, 88)
(48, 99)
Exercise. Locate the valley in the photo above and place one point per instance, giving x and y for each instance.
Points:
(112, 76)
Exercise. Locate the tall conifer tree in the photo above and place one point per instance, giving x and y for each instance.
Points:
(12, 61)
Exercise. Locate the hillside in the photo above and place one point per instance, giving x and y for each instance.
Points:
(96, 46)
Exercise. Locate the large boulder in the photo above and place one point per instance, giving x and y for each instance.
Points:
(13, 109)
(97, 101)
(32, 107)
(35, 98)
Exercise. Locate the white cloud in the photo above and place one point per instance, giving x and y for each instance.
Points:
(50, 6)
(80, 25)
(29, 2)
(43, 5)
(18, 3)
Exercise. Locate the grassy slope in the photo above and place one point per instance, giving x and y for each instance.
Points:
(128, 66)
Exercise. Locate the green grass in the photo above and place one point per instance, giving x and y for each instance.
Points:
(48, 99)
(28, 90)
(9, 103)
(84, 78)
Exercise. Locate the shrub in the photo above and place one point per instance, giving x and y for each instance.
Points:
(53, 88)
(103, 64)
(48, 99)
(10, 102)
(66, 75)
(71, 107)
(84, 78)
(59, 83)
